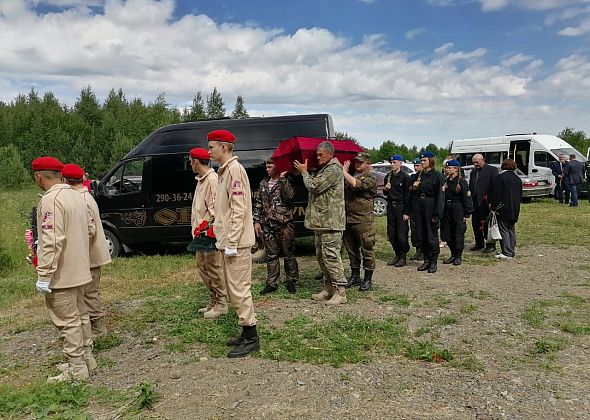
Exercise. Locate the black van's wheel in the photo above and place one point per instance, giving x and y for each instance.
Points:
(114, 244)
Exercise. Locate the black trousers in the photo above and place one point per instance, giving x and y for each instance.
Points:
(427, 228)
(479, 224)
(397, 229)
(453, 225)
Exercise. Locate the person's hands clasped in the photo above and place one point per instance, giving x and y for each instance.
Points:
(300, 167)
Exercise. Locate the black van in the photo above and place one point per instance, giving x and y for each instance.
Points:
(147, 196)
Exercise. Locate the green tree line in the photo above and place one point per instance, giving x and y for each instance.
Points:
(92, 134)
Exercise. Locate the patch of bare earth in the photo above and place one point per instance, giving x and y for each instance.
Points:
(486, 301)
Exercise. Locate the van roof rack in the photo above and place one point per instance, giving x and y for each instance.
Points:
(522, 134)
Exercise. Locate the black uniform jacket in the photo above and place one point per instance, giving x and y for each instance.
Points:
(399, 191)
(462, 196)
(480, 192)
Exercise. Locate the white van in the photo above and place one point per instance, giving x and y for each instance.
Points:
(530, 151)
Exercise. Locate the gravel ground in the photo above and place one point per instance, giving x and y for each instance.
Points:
(487, 300)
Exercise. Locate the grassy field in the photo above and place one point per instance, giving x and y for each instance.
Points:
(150, 295)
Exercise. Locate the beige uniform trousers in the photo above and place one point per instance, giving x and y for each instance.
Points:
(327, 250)
(238, 281)
(67, 311)
(92, 296)
(209, 267)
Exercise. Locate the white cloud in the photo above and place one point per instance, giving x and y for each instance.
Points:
(581, 29)
(413, 33)
(373, 91)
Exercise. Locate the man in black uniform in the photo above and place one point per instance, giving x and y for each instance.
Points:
(458, 207)
(415, 235)
(273, 223)
(359, 236)
(428, 201)
(480, 186)
(397, 191)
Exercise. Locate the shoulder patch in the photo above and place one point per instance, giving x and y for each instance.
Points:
(237, 188)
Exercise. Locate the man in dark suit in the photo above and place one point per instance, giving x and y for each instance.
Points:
(562, 191)
(575, 173)
(480, 186)
(505, 201)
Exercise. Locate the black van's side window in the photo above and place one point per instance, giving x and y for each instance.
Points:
(127, 179)
(173, 174)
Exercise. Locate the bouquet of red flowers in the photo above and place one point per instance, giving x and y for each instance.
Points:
(31, 238)
(203, 237)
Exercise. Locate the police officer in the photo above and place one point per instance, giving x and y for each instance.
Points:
(359, 235)
(325, 215)
(99, 251)
(458, 208)
(397, 191)
(427, 200)
(273, 223)
(415, 235)
(209, 264)
(234, 231)
(63, 268)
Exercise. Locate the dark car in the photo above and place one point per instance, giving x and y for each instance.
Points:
(147, 196)
(380, 170)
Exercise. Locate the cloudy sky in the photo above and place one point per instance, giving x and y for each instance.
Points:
(412, 71)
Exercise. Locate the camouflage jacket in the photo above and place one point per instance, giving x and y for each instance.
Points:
(325, 206)
(273, 205)
(359, 199)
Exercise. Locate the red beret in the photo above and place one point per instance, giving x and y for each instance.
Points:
(200, 153)
(221, 135)
(72, 171)
(47, 163)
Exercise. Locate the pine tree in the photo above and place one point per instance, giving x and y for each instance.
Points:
(240, 110)
(215, 105)
(197, 110)
(13, 173)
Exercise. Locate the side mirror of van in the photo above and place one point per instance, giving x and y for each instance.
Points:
(93, 186)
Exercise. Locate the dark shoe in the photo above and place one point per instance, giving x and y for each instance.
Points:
(268, 289)
(417, 256)
(449, 260)
(367, 281)
(234, 341)
(489, 249)
(476, 247)
(424, 265)
(393, 262)
(291, 287)
(401, 261)
(432, 266)
(457, 261)
(247, 346)
(355, 277)
(319, 276)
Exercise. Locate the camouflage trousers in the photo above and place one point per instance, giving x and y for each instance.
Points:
(327, 250)
(279, 241)
(359, 241)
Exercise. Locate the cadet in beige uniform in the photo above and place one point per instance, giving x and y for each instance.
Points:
(209, 265)
(64, 268)
(99, 251)
(234, 231)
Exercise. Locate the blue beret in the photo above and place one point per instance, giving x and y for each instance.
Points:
(426, 154)
(396, 157)
(453, 162)
(417, 161)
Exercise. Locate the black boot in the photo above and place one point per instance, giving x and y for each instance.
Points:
(433, 261)
(417, 256)
(394, 261)
(268, 289)
(449, 260)
(249, 343)
(355, 277)
(425, 264)
(457, 260)
(367, 281)
(401, 261)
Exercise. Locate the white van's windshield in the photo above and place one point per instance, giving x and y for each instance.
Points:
(569, 151)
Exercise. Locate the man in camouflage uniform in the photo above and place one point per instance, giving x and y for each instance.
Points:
(359, 236)
(326, 217)
(273, 223)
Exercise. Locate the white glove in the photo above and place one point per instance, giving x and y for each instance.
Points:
(42, 287)
(231, 252)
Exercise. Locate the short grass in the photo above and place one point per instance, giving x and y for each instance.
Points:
(570, 313)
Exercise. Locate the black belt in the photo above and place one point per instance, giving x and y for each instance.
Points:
(454, 201)
(422, 195)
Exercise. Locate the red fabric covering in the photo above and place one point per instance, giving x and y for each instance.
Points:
(301, 148)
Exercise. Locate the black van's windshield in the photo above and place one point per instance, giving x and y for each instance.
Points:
(569, 151)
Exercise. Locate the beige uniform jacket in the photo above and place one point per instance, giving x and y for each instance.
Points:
(63, 227)
(204, 199)
(233, 225)
(99, 248)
